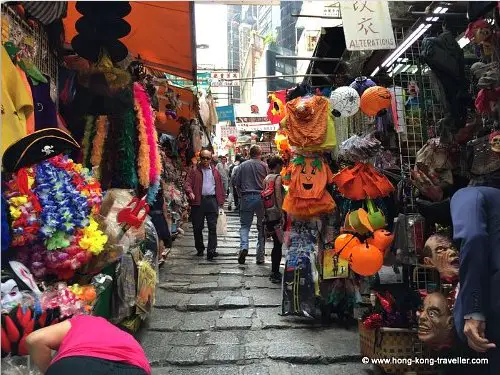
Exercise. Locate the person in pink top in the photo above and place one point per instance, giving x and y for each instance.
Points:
(87, 345)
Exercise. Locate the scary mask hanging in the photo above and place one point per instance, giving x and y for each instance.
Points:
(307, 196)
(435, 322)
(440, 253)
(276, 111)
(495, 141)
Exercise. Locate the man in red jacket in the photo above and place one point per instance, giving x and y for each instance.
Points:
(206, 195)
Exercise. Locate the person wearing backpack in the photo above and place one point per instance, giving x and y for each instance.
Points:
(272, 198)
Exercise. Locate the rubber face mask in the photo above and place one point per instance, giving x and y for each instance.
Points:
(445, 257)
(11, 296)
(435, 322)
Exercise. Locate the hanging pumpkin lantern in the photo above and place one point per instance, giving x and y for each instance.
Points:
(281, 141)
(276, 111)
(344, 101)
(344, 243)
(374, 100)
(366, 259)
(361, 84)
(382, 239)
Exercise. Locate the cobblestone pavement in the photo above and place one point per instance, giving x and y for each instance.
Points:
(218, 318)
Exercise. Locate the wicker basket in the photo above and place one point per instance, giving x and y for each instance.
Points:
(394, 343)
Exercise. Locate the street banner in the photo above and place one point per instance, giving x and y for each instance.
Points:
(225, 113)
(252, 117)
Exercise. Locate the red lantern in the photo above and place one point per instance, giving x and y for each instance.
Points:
(232, 138)
(366, 259)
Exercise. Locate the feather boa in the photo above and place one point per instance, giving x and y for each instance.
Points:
(98, 141)
(88, 139)
(126, 175)
(143, 158)
(144, 106)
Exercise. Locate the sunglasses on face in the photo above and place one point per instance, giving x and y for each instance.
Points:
(205, 157)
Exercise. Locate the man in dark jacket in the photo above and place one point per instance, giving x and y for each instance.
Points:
(475, 211)
(206, 195)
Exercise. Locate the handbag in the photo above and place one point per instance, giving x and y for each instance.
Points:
(481, 158)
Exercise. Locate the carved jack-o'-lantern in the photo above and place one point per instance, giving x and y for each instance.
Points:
(382, 239)
(366, 259)
(307, 179)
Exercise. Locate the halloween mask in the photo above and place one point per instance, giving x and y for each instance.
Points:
(495, 141)
(307, 179)
(435, 322)
(276, 111)
(11, 296)
(440, 253)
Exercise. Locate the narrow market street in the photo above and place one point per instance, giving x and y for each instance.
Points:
(221, 318)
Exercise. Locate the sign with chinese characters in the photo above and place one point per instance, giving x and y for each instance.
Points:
(225, 79)
(225, 113)
(226, 131)
(331, 10)
(312, 38)
(367, 25)
(253, 117)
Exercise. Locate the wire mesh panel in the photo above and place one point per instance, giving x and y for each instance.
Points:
(17, 30)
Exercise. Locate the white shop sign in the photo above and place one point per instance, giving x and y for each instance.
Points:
(367, 25)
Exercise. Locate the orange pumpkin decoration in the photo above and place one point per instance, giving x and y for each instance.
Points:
(306, 179)
(375, 99)
(366, 259)
(344, 243)
(382, 239)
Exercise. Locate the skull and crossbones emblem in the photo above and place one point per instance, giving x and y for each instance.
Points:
(47, 150)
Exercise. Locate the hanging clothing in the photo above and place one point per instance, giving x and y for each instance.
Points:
(213, 119)
(306, 121)
(398, 108)
(16, 105)
(45, 109)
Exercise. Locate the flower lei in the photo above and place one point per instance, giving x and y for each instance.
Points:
(53, 205)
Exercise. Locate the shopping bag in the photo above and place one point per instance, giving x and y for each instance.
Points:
(222, 223)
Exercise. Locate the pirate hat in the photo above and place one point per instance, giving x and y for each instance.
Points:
(37, 147)
(99, 29)
(104, 9)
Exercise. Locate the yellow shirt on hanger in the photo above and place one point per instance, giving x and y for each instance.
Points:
(16, 103)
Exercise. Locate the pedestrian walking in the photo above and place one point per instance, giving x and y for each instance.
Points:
(249, 182)
(272, 197)
(205, 191)
(222, 171)
(232, 171)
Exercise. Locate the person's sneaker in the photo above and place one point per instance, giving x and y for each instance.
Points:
(242, 256)
(210, 256)
(199, 253)
(260, 261)
(215, 254)
(275, 277)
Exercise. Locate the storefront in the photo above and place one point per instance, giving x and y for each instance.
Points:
(94, 138)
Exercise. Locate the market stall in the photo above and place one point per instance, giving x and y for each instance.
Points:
(91, 191)
(376, 163)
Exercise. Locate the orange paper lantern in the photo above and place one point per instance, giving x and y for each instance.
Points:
(375, 99)
(366, 259)
(382, 239)
(344, 243)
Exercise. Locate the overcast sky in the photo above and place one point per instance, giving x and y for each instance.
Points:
(211, 29)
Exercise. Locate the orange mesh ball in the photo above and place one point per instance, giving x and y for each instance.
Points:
(375, 99)
(366, 260)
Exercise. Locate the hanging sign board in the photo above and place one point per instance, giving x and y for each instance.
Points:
(367, 25)
(225, 113)
(253, 117)
(225, 79)
(226, 131)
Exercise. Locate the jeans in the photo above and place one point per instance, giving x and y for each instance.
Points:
(208, 209)
(251, 204)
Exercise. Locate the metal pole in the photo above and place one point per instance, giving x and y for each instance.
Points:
(281, 76)
(314, 58)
